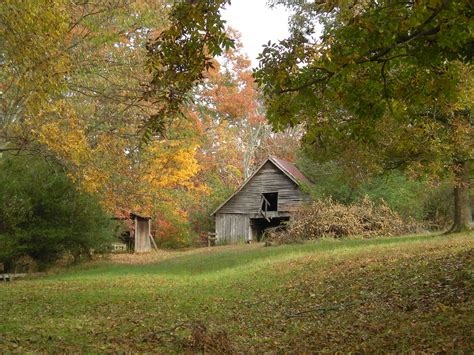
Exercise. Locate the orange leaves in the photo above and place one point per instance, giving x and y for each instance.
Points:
(237, 135)
(233, 93)
(124, 177)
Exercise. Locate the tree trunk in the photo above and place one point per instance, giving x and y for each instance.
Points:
(462, 201)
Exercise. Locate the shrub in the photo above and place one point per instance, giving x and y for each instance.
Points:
(44, 216)
(326, 218)
(201, 208)
(416, 198)
(171, 228)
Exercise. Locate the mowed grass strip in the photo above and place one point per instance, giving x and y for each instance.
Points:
(391, 294)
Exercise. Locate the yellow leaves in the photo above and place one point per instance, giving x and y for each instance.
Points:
(65, 95)
(443, 308)
(328, 56)
(170, 164)
(68, 142)
(33, 38)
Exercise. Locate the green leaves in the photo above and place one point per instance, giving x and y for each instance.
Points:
(44, 216)
(382, 82)
(180, 55)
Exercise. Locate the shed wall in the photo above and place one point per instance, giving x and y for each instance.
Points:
(142, 235)
(232, 228)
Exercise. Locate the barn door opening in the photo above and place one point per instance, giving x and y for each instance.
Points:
(260, 225)
(270, 201)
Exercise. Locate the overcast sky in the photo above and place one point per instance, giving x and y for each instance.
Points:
(257, 23)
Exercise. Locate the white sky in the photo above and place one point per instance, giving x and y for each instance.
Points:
(257, 23)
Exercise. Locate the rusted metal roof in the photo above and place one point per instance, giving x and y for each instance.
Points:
(290, 169)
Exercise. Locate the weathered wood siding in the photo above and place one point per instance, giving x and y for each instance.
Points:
(232, 228)
(268, 179)
(142, 235)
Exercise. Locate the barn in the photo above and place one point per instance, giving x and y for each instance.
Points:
(266, 199)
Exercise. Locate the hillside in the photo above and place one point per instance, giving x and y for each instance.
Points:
(391, 294)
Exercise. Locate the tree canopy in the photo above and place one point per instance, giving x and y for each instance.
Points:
(385, 84)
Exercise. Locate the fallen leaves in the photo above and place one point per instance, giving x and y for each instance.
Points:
(408, 294)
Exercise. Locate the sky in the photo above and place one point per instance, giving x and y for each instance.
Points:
(257, 23)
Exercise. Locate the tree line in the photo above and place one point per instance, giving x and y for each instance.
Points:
(129, 102)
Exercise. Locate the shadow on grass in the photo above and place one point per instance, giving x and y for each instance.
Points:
(220, 260)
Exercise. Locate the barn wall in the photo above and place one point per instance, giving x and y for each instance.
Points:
(142, 232)
(232, 228)
(268, 179)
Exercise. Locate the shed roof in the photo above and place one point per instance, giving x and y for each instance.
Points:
(126, 214)
(288, 168)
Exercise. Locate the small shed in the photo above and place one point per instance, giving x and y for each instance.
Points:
(142, 232)
(266, 199)
(139, 232)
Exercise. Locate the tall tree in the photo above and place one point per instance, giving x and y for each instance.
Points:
(74, 79)
(236, 131)
(385, 84)
(235, 136)
(181, 54)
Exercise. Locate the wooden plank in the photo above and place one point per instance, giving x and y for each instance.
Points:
(137, 242)
(142, 232)
(232, 228)
(268, 179)
(153, 242)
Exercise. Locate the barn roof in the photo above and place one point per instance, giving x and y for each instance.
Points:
(290, 170)
(286, 167)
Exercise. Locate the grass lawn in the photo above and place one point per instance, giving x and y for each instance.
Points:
(391, 294)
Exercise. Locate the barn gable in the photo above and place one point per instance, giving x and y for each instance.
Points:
(273, 176)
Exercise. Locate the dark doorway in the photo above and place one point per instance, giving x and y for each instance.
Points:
(259, 225)
(270, 199)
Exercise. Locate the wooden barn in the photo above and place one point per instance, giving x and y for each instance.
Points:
(265, 199)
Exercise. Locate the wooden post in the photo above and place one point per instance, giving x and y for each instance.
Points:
(150, 236)
(136, 234)
(153, 242)
(250, 236)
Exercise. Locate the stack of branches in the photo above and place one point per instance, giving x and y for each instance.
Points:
(329, 219)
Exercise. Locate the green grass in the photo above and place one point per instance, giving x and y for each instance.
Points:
(391, 294)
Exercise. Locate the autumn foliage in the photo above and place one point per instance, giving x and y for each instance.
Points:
(77, 95)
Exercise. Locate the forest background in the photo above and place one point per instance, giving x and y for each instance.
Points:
(88, 121)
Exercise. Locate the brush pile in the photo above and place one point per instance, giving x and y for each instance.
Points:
(328, 219)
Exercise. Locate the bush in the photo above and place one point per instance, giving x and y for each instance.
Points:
(184, 218)
(171, 227)
(326, 218)
(43, 216)
(410, 198)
